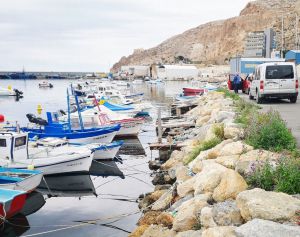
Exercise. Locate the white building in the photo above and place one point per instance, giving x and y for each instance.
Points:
(174, 72)
(135, 70)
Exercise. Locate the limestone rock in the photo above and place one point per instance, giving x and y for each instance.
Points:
(209, 178)
(182, 174)
(165, 219)
(235, 148)
(189, 233)
(139, 231)
(157, 230)
(202, 120)
(233, 132)
(185, 218)
(149, 218)
(206, 217)
(179, 202)
(264, 228)
(156, 195)
(226, 214)
(232, 183)
(162, 187)
(220, 231)
(258, 203)
(186, 187)
(223, 115)
(163, 202)
(175, 158)
(228, 161)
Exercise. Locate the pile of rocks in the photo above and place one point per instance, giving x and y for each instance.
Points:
(209, 196)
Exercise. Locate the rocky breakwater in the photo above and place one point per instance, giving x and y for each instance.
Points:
(203, 189)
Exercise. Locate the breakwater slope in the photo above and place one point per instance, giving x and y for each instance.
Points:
(230, 179)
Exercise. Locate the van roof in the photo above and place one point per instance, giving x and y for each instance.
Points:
(277, 63)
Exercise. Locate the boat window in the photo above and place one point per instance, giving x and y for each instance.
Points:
(2, 142)
(280, 72)
(20, 141)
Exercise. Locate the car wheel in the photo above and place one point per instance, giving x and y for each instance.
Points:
(251, 97)
(293, 99)
(258, 98)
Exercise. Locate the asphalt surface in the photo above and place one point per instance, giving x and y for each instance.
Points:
(289, 112)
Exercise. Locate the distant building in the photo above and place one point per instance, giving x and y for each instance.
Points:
(173, 72)
(135, 70)
(293, 56)
(247, 65)
(260, 44)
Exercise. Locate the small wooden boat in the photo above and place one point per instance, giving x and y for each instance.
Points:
(45, 84)
(11, 203)
(23, 180)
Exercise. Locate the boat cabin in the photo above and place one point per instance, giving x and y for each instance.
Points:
(13, 146)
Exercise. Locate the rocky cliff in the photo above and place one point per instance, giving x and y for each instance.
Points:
(216, 42)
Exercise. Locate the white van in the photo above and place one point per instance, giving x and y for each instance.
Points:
(275, 80)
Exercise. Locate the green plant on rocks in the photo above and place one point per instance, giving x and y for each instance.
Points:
(285, 177)
(244, 111)
(268, 131)
(218, 130)
(228, 94)
(203, 146)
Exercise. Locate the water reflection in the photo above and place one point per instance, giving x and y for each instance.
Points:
(17, 226)
(132, 146)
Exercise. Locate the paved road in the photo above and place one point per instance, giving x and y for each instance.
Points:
(289, 112)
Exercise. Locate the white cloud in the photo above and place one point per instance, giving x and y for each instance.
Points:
(90, 35)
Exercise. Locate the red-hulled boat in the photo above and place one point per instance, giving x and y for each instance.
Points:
(187, 91)
(11, 203)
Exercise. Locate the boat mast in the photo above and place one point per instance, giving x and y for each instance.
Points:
(79, 113)
(69, 112)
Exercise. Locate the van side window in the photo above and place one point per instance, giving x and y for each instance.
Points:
(20, 141)
(2, 142)
(280, 72)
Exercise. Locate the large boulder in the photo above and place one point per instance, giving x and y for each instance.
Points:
(139, 231)
(209, 178)
(180, 201)
(258, 203)
(233, 132)
(228, 161)
(264, 228)
(224, 115)
(149, 218)
(206, 217)
(163, 202)
(186, 187)
(190, 233)
(186, 218)
(202, 120)
(182, 174)
(165, 219)
(232, 183)
(175, 158)
(235, 148)
(226, 214)
(219, 231)
(158, 230)
(248, 161)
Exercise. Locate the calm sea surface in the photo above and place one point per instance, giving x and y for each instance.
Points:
(102, 203)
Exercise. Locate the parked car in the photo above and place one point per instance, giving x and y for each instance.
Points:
(244, 85)
(275, 80)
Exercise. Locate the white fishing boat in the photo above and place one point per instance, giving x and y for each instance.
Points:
(10, 92)
(15, 153)
(137, 82)
(45, 84)
(101, 151)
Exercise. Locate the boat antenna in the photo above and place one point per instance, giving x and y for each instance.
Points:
(79, 113)
(69, 113)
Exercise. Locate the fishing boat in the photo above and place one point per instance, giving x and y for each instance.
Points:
(45, 84)
(182, 97)
(10, 92)
(16, 153)
(137, 82)
(23, 180)
(11, 203)
(102, 151)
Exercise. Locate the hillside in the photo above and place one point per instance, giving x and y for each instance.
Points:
(216, 42)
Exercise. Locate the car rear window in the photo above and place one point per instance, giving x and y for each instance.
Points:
(280, 72)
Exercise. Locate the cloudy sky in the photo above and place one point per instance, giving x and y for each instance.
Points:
(91, 35)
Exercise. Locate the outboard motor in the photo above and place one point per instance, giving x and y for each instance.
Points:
(62, 112)
(33, 119)
(50, 85)
(18, 93)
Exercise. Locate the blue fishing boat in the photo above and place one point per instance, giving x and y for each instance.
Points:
(50, 128)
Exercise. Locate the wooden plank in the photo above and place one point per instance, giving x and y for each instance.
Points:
(165, 146)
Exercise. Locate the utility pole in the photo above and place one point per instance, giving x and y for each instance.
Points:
(282, 36)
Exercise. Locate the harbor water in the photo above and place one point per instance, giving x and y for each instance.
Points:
(102, 203)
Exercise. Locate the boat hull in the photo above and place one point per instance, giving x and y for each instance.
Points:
(107, 152)
(12, 207)
(130, 127)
